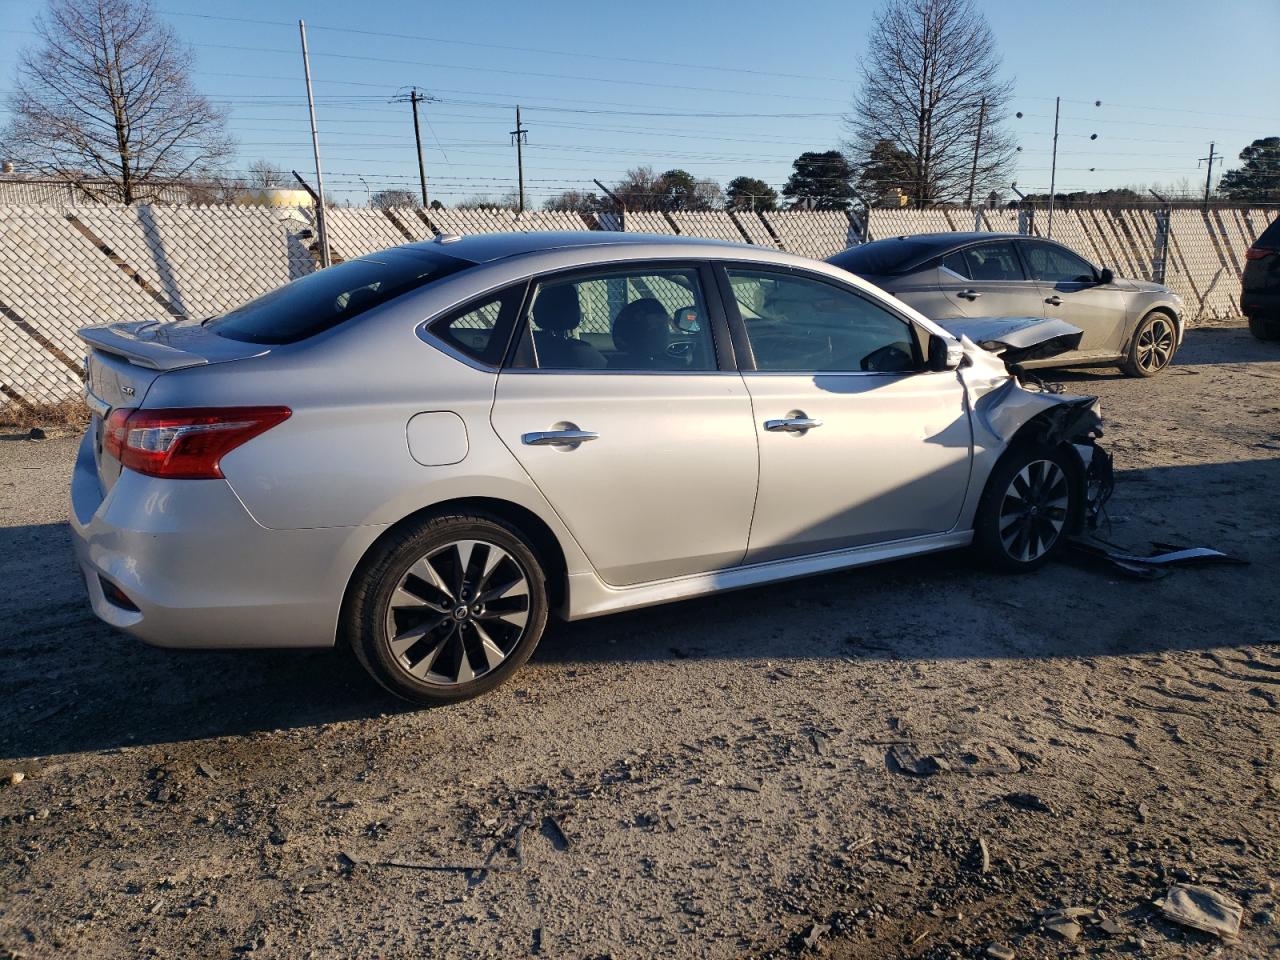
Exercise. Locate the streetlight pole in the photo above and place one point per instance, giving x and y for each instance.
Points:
(368, 194)
(321, 226)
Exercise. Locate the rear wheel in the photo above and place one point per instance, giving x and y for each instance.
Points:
(1153, 346)
(448, 609)
(1265, 329)
(1027, 508)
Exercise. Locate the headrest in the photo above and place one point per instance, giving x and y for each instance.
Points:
(557, 308)
(642, 328)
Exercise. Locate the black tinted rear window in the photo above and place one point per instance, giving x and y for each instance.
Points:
(326, 298)
(1270, 237)
(881, 257)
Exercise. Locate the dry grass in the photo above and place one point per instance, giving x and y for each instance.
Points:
(65, 413)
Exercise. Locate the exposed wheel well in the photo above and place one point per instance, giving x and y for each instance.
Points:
(1041, 429)
(540, 536)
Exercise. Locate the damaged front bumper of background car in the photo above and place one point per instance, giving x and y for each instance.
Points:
(1006, 411)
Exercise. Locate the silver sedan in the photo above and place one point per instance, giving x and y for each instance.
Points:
(424, 453)
(1133, 324)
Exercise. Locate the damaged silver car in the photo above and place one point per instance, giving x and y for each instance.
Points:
(423, 453)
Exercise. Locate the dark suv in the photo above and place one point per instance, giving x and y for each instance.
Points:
(1260, 285)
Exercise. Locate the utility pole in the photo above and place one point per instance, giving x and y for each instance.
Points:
(321, 227)
(977, 145)
(415, 98)
(519, 136)
(1208, 177)
(1053, 167)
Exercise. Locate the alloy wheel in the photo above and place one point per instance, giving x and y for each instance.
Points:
(458, 612)
(1155, 345)
(1034, 510)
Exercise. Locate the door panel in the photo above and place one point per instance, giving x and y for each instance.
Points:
(666, 489)
(890, 460)
(1070, 292)
(858, 442)
(986, 280)
(1100, 311)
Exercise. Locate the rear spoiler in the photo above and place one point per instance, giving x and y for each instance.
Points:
(162, 346)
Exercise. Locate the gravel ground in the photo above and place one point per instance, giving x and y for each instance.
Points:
(718, 778)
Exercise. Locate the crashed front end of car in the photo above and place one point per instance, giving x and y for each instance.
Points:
(1010, 405)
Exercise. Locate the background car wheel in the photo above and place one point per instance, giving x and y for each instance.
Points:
(1153, 346)
(1028, 507)
(1264, 329)
(447, 609)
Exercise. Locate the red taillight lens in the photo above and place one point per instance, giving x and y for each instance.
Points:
(1258, 253)
(114, 430)
(184, 444)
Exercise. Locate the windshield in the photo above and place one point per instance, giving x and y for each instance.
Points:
(326, 298)
(882, 257)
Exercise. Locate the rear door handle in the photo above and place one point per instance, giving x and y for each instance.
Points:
(1055, 301)
(792, 425)
(558, 438)
(969, 294)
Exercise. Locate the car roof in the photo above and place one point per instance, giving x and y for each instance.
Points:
(950, 239)
(487, 247)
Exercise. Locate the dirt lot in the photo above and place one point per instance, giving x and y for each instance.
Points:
(709, 779)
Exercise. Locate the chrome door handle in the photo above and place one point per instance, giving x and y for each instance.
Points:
(558, 438)
(969, 294)
(792, 425)
(1055, 301)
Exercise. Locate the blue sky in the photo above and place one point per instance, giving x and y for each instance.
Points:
(1171, 76)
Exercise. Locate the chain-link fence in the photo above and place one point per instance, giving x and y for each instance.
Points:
(62, 268)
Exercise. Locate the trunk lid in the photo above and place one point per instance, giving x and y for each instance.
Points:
(125, 359)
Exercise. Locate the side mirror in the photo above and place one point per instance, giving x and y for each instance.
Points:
(686, 320)
(1106, 276)
(944, 353)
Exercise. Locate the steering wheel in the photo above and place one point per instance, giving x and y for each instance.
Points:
(891, 358)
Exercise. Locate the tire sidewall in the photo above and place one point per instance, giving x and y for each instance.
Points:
(383, 576)
(1132, 367)
(986, 525)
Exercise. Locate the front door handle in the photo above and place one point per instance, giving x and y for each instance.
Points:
(1055, 301)
(969, 294)
(558, 438)
(792, 425)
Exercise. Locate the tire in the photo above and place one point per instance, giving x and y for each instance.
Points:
(1264, 329)
(447, 609)
(1154, 344)
(1011, 536)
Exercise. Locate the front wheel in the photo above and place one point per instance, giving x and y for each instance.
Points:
(447, 609)
(1027, 508)
(1153, 346)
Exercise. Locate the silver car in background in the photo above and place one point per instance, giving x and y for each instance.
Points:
(1133, 324)
(423, 453)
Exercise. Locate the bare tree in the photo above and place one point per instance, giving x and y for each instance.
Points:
(105, 98)
(575, 201)
(931, 76)
(265, 174)
(388, 199)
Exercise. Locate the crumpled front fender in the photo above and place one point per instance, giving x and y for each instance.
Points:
(1003, 412)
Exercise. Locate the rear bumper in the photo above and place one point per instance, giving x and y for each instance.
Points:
(1265, 305)
(200, 571)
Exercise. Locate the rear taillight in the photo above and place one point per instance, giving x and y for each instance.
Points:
(1259, 253)
(184, 444)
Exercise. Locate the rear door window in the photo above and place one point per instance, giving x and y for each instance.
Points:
(993, 261)
(326, 298)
